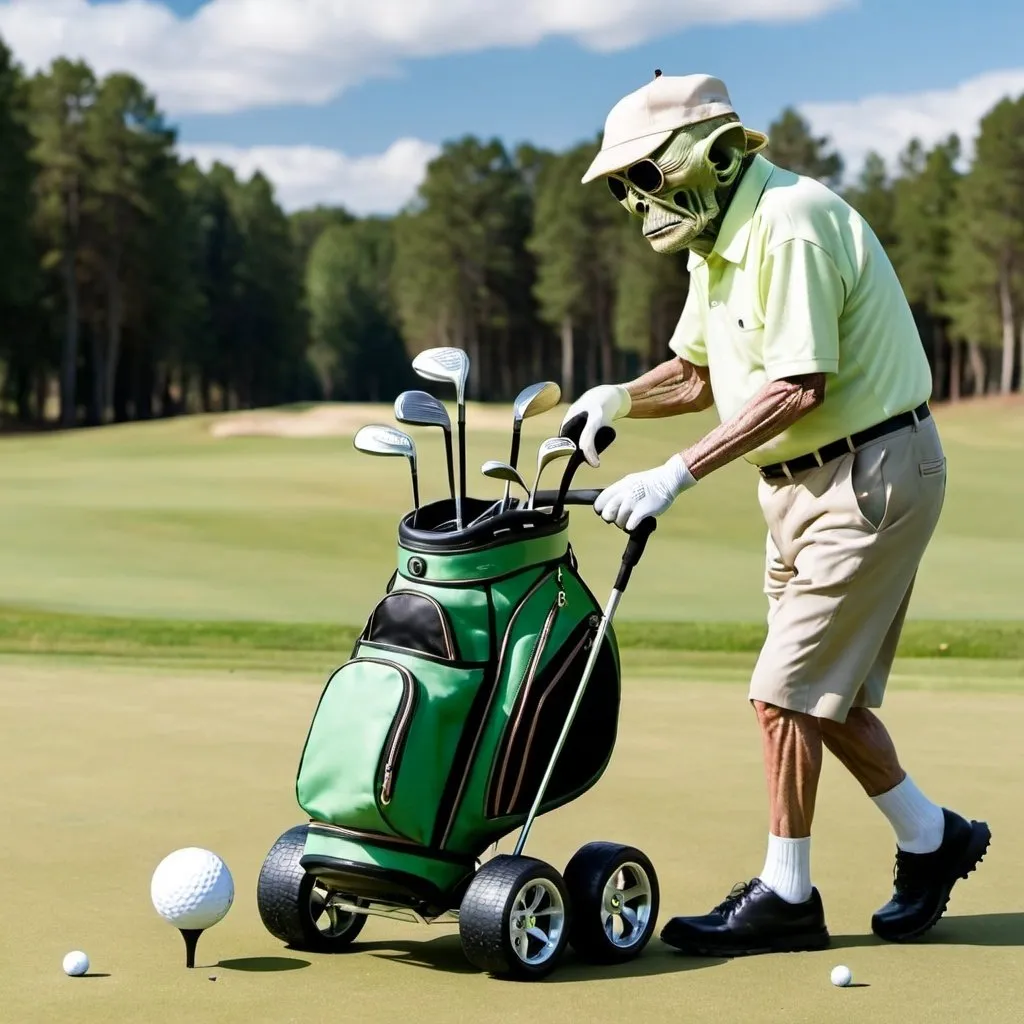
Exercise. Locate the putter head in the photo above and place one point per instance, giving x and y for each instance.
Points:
(380, 439)
(502, 471)
(536, 399)
(421, 410)
(447, 364)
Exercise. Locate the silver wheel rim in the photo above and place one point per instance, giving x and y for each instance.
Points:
(536, 921)
(330, 921)
(626, 905)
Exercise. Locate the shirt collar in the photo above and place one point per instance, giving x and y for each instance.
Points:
(734, 234)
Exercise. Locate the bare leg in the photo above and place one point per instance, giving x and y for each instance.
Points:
(792, 745)
(863, 745)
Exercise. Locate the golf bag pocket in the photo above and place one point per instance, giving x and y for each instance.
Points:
(382, 742)
(536, 720)
(412, 621)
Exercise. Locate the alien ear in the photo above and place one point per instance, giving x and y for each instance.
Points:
(724, 150)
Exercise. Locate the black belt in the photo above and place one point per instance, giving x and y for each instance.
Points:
(847, 444)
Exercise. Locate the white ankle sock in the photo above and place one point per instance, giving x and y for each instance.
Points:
(787, 868)
(919, 824)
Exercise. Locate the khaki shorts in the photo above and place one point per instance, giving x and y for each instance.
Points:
(844, 543)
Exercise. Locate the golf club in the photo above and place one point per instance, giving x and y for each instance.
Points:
(451, 366)
(379, 439)
(531, 401)
(504, 471)
(418, 409)
(550, 450)
(603, 438)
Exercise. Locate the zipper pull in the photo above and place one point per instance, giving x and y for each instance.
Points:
(385, 789)
(561, 591)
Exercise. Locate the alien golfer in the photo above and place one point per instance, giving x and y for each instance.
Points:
(796, 328)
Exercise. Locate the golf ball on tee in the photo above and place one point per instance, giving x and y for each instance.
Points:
(76, 964)
(192, 888)
(841, 976)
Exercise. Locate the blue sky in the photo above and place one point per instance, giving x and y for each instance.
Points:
(319, 100)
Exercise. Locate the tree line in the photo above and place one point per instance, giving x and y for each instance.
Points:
(134, 284)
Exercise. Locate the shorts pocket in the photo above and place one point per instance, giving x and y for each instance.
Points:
(867, 482)
(932, 467)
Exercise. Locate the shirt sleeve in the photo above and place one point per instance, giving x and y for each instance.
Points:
(688, 341)
(803, 295)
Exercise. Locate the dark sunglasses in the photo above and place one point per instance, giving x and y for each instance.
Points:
(644, 175)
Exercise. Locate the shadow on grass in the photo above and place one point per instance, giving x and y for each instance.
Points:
(445, 954)
(94, 974)
(966, 930)
(263, 964)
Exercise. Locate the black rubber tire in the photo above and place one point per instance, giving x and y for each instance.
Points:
(586, 876)
(485, 917)
(285, 897)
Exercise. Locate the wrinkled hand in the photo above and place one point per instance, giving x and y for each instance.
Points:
(639, 495)
(602, 406)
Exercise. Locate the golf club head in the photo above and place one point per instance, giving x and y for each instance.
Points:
(503, 471)
(550, 450)
(419, 409)
(380, 439)
(446, 364)
(536, 399)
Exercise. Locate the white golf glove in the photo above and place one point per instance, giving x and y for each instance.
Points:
(639, 495)
(602, 405)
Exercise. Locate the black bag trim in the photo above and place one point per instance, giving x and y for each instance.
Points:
(391, 649)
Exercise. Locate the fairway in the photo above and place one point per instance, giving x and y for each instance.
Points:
(166, 520)
(111, 766)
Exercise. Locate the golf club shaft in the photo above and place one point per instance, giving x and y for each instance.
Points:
(449, 455)
(513, 459)
(462, 464)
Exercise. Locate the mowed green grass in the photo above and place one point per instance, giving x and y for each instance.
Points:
(110, 766)
(164, 520)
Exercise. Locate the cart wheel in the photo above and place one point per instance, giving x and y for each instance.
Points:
(513, 920)
(614, 894)
(293, 903)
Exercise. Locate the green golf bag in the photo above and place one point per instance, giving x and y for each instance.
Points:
(430, 743)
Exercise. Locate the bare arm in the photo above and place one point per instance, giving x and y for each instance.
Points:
(670, 389)
(774, 409)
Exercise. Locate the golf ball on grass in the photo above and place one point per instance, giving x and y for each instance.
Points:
(76, 963)
(192, 889)
(841, 976)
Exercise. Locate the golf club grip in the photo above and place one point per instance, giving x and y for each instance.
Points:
(638, 538)
(582, 497)
(602, 440)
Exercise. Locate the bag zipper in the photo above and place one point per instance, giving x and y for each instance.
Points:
(449, 642)
(528, 678)
(397, 734)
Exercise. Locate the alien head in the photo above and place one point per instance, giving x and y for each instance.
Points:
(672, 155)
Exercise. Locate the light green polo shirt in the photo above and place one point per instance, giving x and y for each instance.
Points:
(798, 283)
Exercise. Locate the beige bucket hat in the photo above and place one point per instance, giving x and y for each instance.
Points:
(640, 122)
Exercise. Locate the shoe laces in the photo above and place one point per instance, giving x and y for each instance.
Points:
(908, 873)
(736, 894)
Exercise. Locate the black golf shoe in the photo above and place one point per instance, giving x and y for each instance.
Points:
(923, 881)
(751, 919)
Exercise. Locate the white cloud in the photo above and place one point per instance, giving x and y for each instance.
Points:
(237, 54)
(885, 123)
(306, 175)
